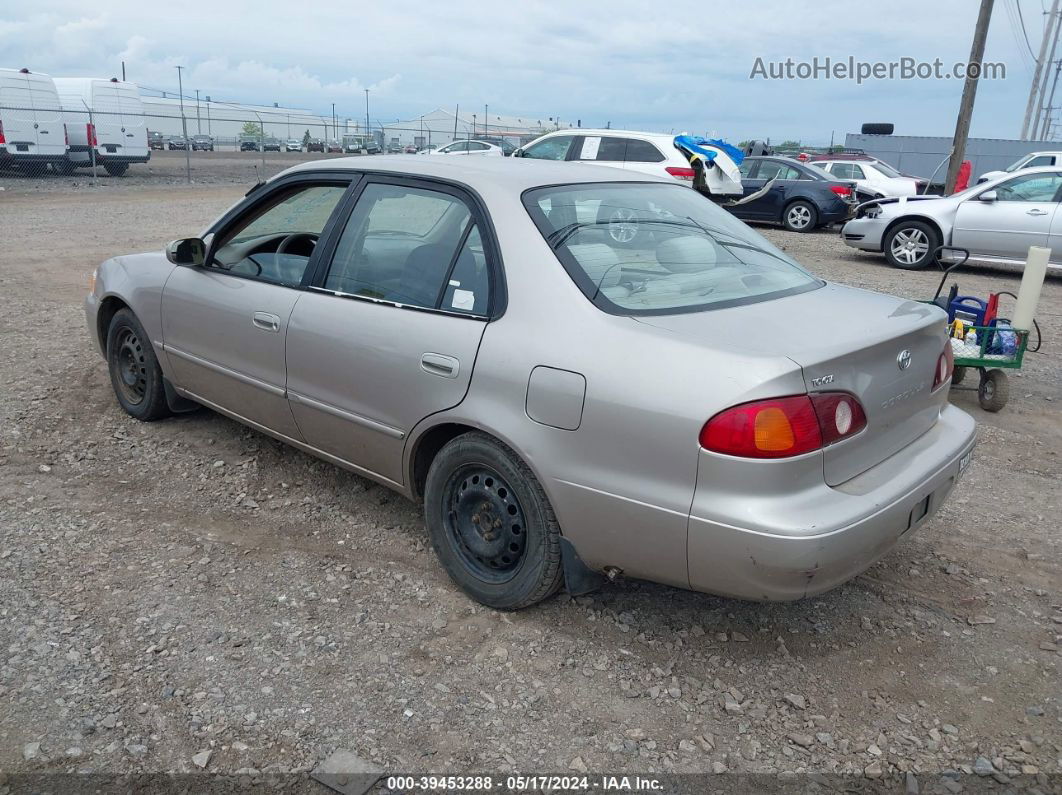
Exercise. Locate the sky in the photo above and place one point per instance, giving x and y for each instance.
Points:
(634, 64)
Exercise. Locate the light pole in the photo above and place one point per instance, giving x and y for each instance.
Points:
(184, 127)
(334, 130)
(367, 130)
(198, 119)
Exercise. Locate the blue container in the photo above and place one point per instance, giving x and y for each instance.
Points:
(969, 309)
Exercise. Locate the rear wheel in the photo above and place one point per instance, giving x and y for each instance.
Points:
(994, 390)
(958, 374)
(621, 225)
(800, 216)
(134, 369)
(910, 245)
(116, 169)
(491, 524)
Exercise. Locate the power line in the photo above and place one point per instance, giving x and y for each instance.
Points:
(1025, 33)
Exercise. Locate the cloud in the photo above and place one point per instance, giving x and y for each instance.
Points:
(623, 61)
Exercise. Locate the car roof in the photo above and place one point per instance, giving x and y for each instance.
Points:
(502, 173)
(610, 131)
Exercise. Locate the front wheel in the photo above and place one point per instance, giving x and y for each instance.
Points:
(134, 369)
(910, 245)
(800, 216)
(491, 524)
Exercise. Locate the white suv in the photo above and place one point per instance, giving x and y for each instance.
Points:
(650, 153)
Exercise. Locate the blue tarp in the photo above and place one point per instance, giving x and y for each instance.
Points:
(696, 144)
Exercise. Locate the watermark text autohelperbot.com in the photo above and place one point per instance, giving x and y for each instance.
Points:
(850, 68)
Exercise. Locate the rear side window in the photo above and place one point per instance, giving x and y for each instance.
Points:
(643, 152)
(1042, 160)
(412, 246)
(770, 169)
(612, 149)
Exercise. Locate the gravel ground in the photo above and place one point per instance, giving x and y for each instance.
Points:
(191, 594)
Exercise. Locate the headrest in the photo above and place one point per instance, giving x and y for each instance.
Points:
(686, 254)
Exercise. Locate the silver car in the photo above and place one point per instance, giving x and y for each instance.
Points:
(681, 402)
(996, 221)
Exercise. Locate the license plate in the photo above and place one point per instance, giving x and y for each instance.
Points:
(965, 462)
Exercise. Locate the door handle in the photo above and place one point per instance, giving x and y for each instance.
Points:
(440, 364)
(266, 321)
(1036, 212)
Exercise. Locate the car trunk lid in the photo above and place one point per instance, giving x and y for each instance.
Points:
(848, 340)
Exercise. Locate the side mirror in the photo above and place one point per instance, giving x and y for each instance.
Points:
(187, 251)
(988, 196)
(517, 152)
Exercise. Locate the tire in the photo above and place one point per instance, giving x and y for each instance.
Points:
(910, 245)
(800, 216)
(994, 390)
(116, 169)
(958, 374)
(882, 128)
(476, 482)
(619, 225)
(135, 373)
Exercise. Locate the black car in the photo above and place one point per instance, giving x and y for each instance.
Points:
(315, 145)
(271, 145)
(156, 140)
(249, 145)
(177, 142)
(801, 198)
(202, 143)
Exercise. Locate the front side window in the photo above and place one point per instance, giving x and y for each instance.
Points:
(476, 146)
(411, 246)
(842, 171)
(857, 172)
(657, 249)
(772, 169)
(746, 167)
(1029, 188)
(555, 148)
(275, 240)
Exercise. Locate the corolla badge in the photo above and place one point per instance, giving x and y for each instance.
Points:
(903, 359)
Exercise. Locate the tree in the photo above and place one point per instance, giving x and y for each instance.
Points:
(251, 128)
(788, 145)
(306, 138)
(743, 144)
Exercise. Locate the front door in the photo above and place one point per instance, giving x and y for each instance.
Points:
(1019, 217)
(389, 332)
(224, 324)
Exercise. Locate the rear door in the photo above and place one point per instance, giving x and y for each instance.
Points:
(16, 97)
(107, 117)
(1021, 216)
(389, 332)
(225, 324)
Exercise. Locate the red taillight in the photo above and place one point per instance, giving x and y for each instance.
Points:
(90, 133)
(945, 366)
(681, 173)
(784, 427)
(3, 140)
(841, 190)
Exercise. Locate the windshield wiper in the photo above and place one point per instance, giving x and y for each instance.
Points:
(557, 237)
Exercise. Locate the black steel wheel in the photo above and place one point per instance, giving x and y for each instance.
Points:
(134, 369)
(491, 524)
(993, 391)
(485, 522)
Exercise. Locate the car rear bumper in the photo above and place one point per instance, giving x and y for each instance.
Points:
(801, 539)
(864, 233)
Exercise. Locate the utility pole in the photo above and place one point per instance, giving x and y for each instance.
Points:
(123, 71)
(184, 128)
(486, 120)
(1035, 87)
(969, 93)
(198, 119)
(1051, 28)
(1050, 104)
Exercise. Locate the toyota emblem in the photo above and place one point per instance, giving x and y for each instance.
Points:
(903, 359)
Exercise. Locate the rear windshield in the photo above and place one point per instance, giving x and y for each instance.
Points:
(645, 248)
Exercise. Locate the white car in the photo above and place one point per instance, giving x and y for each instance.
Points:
(1031, 160)
(996, 221)
(873, 179)
(472, 147)
(648, 153)
(293, 145)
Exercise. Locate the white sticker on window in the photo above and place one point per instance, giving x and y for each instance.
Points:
(463, 299)
(590, 147)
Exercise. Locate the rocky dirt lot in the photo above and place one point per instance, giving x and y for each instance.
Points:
(190, 595)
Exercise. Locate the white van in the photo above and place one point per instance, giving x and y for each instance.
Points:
(31, 121)
(116, 128)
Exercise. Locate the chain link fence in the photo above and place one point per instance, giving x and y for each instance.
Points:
(212, 141)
